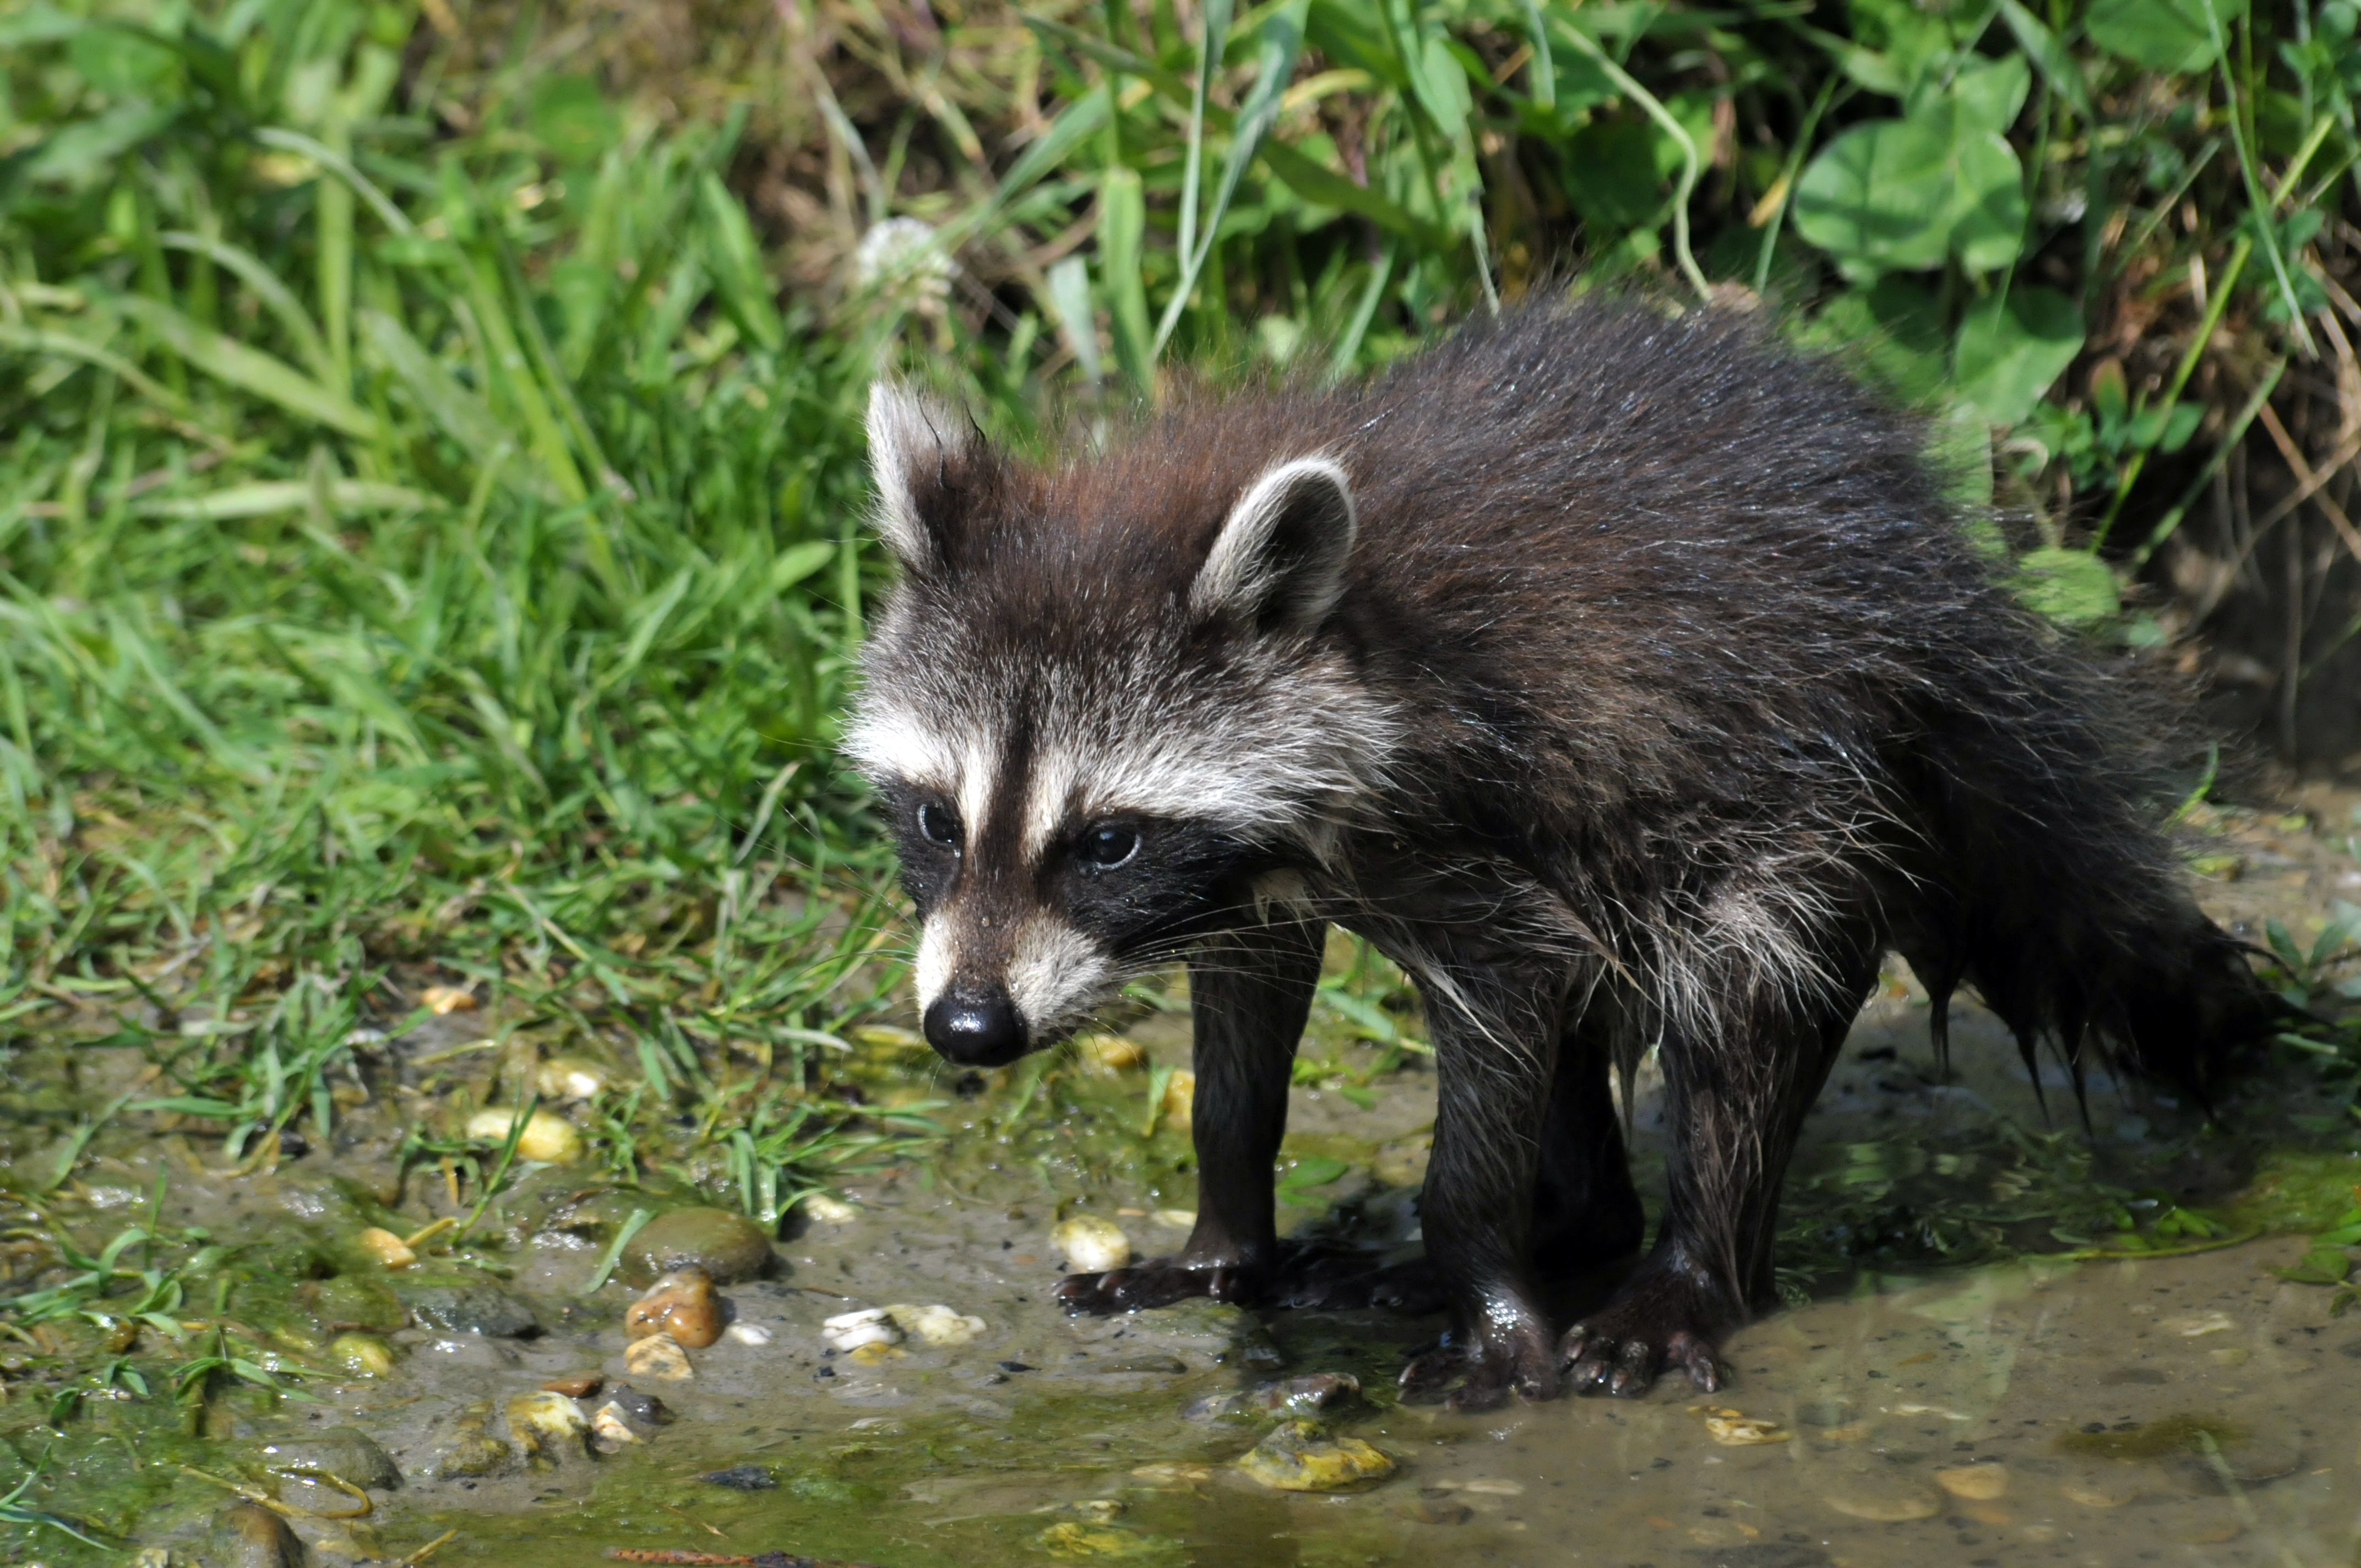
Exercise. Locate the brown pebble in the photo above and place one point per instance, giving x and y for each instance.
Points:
(579, 1386)
(681, 1304)
(247, 1535)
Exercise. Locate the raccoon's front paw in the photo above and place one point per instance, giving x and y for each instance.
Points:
(1480, 1371)
(1155, 1282)
(1660, 1322)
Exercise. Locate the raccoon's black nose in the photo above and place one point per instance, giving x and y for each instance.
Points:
(975, 1026)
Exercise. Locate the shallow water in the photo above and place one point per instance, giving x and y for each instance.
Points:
(2192, 1408)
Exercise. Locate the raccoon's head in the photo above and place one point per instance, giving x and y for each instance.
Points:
(1110, 708)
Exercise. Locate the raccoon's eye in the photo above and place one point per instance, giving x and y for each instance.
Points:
(1108, 845)
(939, 823)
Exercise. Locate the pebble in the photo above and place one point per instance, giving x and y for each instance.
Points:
(346, 1453)
(659, 1357)
(441, 1000)
(742, 1478)
(729, 1246)
(681, 1304)
(645, 1411)
(936, 1324)
(2102, 1492)
(1111, 1052)
(1176, 1219)
(827, 1211)
(854, 1331)
(363, 1356)
(1734, 1429)
(1180, 1101)
(472, 1450)
(1306, 1395)
(1301, 1456)
(547, 1139)
(1182, 1474)
(610, 1432)
(390, 1250)
(546, 1425)
(248, 1535)
(1885, 1504)
(1091, 1245)
(1977, 1483)
(471, 1310)
(747, 1333)
(569, 1077)
(576, 1386)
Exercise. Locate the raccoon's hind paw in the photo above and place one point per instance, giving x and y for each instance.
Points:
(1155, 1282)
(1342, 1281)
(1482, 1376)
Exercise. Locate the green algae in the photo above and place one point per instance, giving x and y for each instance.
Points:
(2154, 1440)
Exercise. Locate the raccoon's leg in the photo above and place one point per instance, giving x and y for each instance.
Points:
(1585, 1210)
(1249, 995)
(1736, 1100)
(1495, 1038)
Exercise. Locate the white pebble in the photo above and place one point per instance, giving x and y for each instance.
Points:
(935, 1325)
(1091, 1245)
(851, 1331)
(750, 1333)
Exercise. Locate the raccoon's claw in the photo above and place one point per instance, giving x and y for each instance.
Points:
(1596, 1360)
(1484, 1377)
(1157, 1282)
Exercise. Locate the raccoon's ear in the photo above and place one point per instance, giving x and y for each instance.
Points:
(1280, 558)
(919, 452)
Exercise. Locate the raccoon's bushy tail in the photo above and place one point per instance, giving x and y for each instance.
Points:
(2058, 898)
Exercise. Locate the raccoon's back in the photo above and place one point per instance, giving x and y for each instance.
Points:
(1666, 548)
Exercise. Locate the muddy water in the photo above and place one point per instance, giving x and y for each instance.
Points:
(1916, 1406)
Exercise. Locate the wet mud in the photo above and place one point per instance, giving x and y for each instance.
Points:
(2025, 1326)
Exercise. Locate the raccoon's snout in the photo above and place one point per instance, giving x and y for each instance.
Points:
(975, 1026)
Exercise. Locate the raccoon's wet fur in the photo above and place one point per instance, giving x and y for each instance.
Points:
(1629, 681)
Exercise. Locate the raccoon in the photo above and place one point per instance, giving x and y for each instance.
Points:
(1629, 681)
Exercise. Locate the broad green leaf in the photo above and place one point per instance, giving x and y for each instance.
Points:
(1990, 94)
(2072, 588)
(1879, 198)
(2162, 35)
(1987, 202)
(264, 375)
(1315, 1170)
(1900, 196)
(2009, 351)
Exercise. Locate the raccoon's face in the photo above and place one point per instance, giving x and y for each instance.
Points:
(1107, 710)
